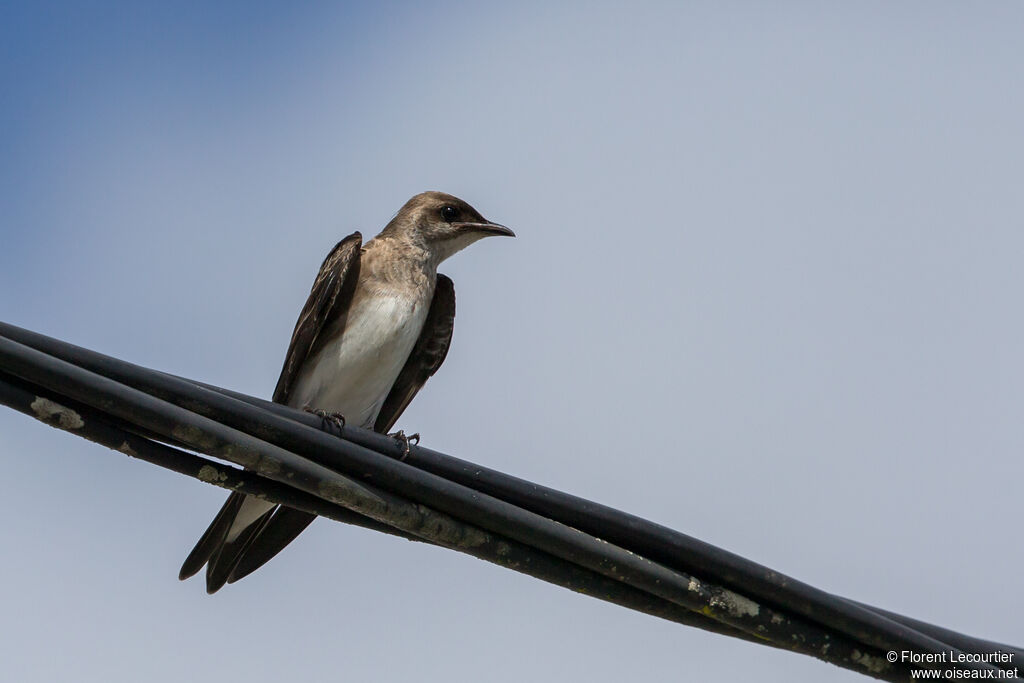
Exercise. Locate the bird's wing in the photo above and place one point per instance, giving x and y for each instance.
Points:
(426, 357)
(424, 360)
(326, 307)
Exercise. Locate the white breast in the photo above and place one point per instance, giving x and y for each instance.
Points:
(353, 374)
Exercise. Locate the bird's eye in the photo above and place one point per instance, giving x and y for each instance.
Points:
(449, 213)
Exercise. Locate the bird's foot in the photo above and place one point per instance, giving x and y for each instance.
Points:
(332, 423)
(405, 441)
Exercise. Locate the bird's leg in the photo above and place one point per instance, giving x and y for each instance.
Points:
(332, 423)
(405, 440)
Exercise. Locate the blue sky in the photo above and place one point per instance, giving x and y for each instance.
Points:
(765, 290)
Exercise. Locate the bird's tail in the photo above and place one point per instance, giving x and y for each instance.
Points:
(225, 542)
(282, 528)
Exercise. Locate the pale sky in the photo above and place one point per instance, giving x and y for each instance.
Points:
(766, 290)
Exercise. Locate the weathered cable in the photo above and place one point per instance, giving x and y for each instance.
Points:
(568, 544)
(880, 629)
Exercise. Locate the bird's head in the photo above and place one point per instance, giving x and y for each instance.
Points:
(442, 224)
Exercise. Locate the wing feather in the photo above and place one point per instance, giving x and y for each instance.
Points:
(323, 315)
(427, 355)
(326, 307)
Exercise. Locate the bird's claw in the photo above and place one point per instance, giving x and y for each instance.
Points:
(405, 441)
(333, 423)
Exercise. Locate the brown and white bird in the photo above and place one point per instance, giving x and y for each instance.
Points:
(376, 326)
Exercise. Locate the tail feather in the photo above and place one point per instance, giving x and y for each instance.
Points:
(212, 538)
(220, 566)
(279, 531)
(239, 522)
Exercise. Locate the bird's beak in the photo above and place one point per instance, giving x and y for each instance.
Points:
(485, 228)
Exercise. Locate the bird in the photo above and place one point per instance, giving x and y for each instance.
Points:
(377, 324)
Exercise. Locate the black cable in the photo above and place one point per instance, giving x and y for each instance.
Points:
(569, 544)
(872, 626)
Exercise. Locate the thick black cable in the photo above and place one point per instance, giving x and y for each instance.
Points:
(656, 542)
(216, 439)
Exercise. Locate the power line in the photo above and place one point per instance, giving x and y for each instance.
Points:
(439, 499)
